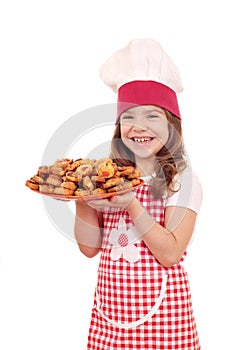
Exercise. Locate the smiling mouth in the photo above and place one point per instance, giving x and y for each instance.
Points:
(142, 139)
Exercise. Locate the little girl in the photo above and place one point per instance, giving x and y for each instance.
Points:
(142, 298)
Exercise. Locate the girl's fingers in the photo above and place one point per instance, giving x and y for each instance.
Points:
(114, 199)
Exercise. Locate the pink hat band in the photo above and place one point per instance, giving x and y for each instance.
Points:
(147, 92)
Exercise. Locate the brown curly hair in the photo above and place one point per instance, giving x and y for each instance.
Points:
(169, 161)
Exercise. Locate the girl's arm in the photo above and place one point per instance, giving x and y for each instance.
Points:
(166, 243)
(87, 230)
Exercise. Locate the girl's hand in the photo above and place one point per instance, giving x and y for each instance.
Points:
(117, 201)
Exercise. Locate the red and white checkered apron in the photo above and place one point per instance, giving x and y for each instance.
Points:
(141, 304)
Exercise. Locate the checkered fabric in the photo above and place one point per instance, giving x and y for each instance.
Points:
(141, 305)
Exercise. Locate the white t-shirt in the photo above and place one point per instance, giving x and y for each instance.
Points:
(190, 191)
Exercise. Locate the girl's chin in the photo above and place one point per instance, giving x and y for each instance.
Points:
(145, 155)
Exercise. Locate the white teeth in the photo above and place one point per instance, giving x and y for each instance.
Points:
(143, 139)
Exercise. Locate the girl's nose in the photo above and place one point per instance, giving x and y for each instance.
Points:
(139, 127)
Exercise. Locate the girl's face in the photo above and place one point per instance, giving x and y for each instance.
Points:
(144, 130)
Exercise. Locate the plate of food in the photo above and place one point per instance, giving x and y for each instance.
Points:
(84, 179)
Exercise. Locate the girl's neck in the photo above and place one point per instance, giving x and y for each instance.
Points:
(145, 166)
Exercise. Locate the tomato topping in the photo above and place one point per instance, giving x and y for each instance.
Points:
(105, 173)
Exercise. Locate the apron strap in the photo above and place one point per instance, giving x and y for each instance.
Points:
(144, 318)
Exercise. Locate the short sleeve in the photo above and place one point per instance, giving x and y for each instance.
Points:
(189, 194)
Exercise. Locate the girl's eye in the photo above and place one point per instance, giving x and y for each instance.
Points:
(153, 116)
(127, 118)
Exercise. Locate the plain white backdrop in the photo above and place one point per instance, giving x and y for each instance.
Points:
(51, 52)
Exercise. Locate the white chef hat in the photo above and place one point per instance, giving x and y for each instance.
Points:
(141, 73)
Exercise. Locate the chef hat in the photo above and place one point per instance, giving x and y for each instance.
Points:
(141, 73)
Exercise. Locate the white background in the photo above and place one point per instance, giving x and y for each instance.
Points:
(51, 52)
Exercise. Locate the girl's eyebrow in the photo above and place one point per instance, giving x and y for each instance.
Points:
(127, 113)
(144, 112)
(153, 110)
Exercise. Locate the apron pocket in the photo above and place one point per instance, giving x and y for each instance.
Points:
(144, 318)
